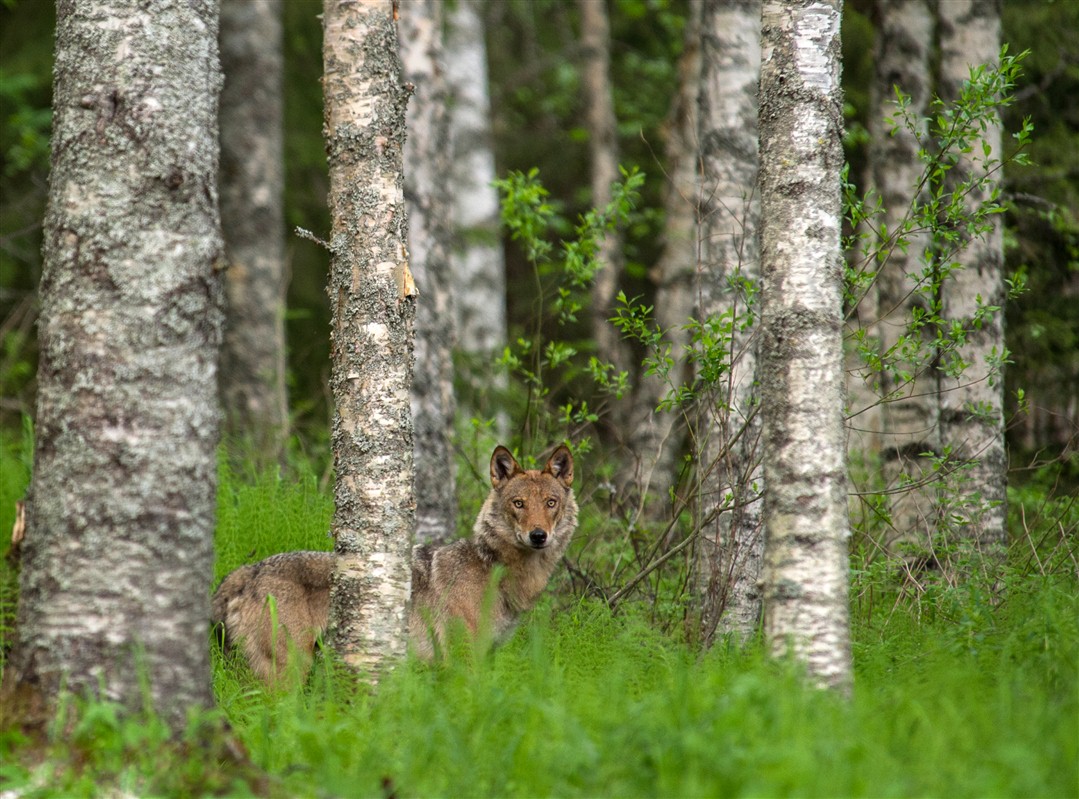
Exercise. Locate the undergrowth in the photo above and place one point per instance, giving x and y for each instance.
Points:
(956, 694)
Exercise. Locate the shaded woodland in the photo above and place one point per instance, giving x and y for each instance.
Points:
(539, 121)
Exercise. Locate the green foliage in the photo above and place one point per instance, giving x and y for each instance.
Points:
(586, 702)
(261, 514)
(954, 205)
(547, 367)
(24, 143)
(95, 748)
(16, 459)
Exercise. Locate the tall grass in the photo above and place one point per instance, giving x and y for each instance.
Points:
(586, 704)
(955, 695)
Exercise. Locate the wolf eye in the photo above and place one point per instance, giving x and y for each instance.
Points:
(518, 503)
(551, 503)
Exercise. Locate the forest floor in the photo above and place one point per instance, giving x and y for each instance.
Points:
(956, 694)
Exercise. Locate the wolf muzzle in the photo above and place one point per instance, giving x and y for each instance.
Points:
(538, 538)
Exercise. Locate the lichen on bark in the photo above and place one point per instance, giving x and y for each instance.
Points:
(373, 303)
(118, 555)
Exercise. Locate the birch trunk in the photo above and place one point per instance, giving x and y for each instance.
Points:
(478, 264)
(427, 182)
(603, 146)
(654, 437)
(252, 217)
(732, 544)
(373, 303)
(805, 573)
(910, 412)
(971, 406)
(118, 555)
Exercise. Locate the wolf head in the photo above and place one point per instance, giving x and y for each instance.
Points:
(534, 503)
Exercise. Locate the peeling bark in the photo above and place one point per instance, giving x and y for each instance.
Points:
(427, 184)
(118, 555)
(971, 406)
(252, 217)
(373, 298)
(732, 543)
(805, 575)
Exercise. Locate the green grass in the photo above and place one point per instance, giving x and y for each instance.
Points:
(586, 704)
(953, 697)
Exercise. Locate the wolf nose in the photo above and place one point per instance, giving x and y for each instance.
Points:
(537, 538)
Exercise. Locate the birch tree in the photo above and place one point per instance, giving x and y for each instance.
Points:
(118, 555)
(910, 412)
(427, 188)
(654, 436)
(603, 149)
(971, 401)
(252, 214)
(731, 542)
(805, 574)
(478, 263)
(373, 297)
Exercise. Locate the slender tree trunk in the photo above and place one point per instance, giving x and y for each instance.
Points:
(805, 510)
(427, 182)
(479, 269)
(654, 437)
(971, 406)
(252, 216)
(118, 556)
(373, 300)
(603, 140)
(731, 542)
(910, 414)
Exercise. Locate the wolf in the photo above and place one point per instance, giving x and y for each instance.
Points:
(281, 604)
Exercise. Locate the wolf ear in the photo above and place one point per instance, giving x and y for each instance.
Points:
(503, 466)
(561, 465)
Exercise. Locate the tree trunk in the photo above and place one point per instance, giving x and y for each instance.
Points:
(479, 269)
(654, 437)
(603, 141)
(373, 300)
(252, 217)
(971, 412)
(910, 413)
(118, 556)
(427, 182)
(731, 542)
(805, 509)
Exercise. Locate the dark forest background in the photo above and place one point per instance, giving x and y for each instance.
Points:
(538, 118)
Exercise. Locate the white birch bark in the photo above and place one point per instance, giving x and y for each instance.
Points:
(729, 558)
(805, 575)
(118, 556)
(252, 217)
(910, 412)
(373, 298)
(654, 437)
(971, 406)
(427, 185)
(603, 148)
(478, 263)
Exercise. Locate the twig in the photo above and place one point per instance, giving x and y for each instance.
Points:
(303, 233)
